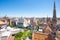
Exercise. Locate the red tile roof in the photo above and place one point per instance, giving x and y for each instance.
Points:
(11, 38)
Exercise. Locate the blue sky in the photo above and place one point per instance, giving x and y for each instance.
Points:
(28, 8)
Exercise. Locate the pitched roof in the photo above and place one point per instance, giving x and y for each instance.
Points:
(1, 22)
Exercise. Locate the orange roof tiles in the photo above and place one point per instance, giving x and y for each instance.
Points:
(11, 38)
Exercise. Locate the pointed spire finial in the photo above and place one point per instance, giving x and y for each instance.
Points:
(54, 4)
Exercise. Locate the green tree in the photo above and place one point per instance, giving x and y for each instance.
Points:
(37, 26)
(30, 35)
(22, 35)
(18, 36)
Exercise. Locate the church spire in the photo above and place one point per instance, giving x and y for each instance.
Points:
(54, 14)
(54, 11)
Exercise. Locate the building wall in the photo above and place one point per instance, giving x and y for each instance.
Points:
(38, 36)
(24, 22)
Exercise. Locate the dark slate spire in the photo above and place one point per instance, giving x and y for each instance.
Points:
(54, 11)
(54, 14)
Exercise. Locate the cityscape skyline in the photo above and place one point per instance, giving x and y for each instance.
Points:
(28, 8)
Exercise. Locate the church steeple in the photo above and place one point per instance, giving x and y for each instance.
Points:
(54, 21)
(54, 11)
